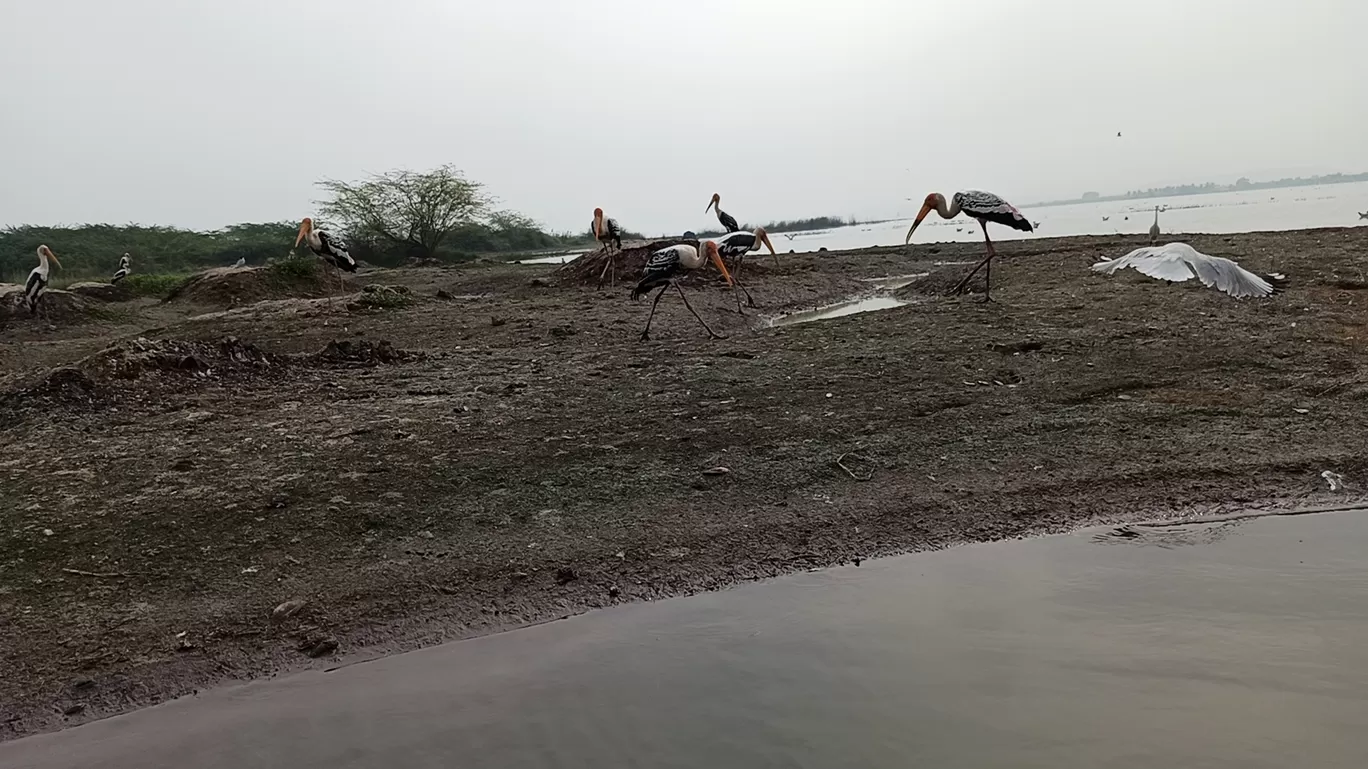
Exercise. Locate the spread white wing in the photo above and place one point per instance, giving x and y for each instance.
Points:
(1178, 262)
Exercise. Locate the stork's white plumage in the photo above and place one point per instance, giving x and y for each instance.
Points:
(125, 267)
(1177, 262)
(38, 278)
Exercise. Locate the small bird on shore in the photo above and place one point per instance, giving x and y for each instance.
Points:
(665, 267)
(328, 247)
(38, 278)
(608, 233)
(1177, 262)
(125, 267)
(727, 220)
(241, 262)
(1154, 228)
(982, 207)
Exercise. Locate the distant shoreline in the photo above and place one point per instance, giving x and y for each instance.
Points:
(1209, 188)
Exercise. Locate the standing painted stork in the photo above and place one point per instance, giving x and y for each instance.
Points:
(327, 246)
(609, 233)
(38, 278)
(664, 268)
(125, 267)
(728, 221)
(1154, 228)
(983, 207)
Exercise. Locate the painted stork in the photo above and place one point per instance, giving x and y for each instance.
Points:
(664, 268)
(38, 278)
(327, 246)
(1177, 262)
(728, 221)
(125, 267)
(1154, 228)
(735, 246)
(609, 233)
(983, 207)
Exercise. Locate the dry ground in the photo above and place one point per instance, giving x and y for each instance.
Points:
(518, 455)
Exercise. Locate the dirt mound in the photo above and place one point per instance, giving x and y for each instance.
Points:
(378, 297)
(142, 357)
(55, 306)
(630, 261)
(105, 292)
(229, 286)
(362, 351)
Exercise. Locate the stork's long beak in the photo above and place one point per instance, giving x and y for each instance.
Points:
(54, 258)
(925, 210)
(711, 203)
(303, 230)
(716, 258)
(764, 238)
(598, 227)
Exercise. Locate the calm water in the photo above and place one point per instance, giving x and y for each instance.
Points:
(1217, 645)
(1288, 208)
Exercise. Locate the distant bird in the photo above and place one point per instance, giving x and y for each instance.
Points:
(607, 232)
(1154, 228)
(38, 278)
(983, 207)
(1363, 214)
(1105, 218)
(125, 267)
(327, 246)
(728, 221)
(663, 269)
(1118, 133)
(241, 262)
(1036, 224)
(790, 235)
(1177, 262)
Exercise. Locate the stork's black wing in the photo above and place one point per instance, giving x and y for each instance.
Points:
(661, 266)
(990, 207)
(335, 251)
(118, 276)
(728, 221)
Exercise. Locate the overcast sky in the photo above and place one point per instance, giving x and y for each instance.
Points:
(201, 114)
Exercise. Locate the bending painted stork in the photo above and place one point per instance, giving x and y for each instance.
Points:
(609, 233)
(663, 269)
(1154, 228)
(125, 267)
(983, 207)
(38, 278)
(1177, 262)
(327, 246)
(735, 246)
(728, 221)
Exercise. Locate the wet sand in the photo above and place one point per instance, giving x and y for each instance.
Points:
(530, 459)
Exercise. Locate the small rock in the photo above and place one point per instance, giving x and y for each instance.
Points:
(84, 683)
(48, 532)
(497, 321)
(181, 465)
(319, 648)
(288, 609)
(719, 470)
(443, 294)
(565, 575)
(1123, 397)
(74, 710)
(614, 591)
(857, 561)
(539, 282)
(425, 534)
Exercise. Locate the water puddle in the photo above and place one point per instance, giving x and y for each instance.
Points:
(855, 306)
(562, 258)
(895, 282)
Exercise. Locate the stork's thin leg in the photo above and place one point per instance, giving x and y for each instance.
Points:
(736, 284)
(645, 335)
(711, 333)
(607, 262)
(987, 260)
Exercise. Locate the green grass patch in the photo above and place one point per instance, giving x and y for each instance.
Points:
(151, 284)
(296, 268)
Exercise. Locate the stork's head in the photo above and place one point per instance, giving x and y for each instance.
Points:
(763, 237)
(305, 227)
(716, 201)
(933, 201)
(598, 223)
(45, 253)
(710, 252)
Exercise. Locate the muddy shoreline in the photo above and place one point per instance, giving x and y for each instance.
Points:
(527, 458)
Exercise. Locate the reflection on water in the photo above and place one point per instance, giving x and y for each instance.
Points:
(1215, 645)
(868, 304)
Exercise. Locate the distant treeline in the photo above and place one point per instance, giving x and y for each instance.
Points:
(1209, 188)
(92, 251)
(792, 225)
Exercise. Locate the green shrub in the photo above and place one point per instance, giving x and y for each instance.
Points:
(150, 284)
(296, 268)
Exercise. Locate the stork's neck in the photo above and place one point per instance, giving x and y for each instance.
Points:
(947, 210)
(311, 237)
(1156, 214)
(691, 258)
(42, 263)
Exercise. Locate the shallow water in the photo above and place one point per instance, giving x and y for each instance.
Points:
(840, 310)
(1287, 208)
(1240, 644)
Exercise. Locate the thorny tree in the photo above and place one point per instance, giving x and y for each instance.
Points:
(417, 211)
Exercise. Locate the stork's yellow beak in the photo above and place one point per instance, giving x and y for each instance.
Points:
(925, 209)
(716, 258)
(304, 228)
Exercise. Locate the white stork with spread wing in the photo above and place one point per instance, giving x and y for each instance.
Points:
(1177, 262)
(983, 207)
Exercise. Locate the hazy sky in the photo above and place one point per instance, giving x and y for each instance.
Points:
(201, 114)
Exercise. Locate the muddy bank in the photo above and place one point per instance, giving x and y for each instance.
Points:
(536, 460)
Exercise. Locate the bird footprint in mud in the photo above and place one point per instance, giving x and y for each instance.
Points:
(1335, 480)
